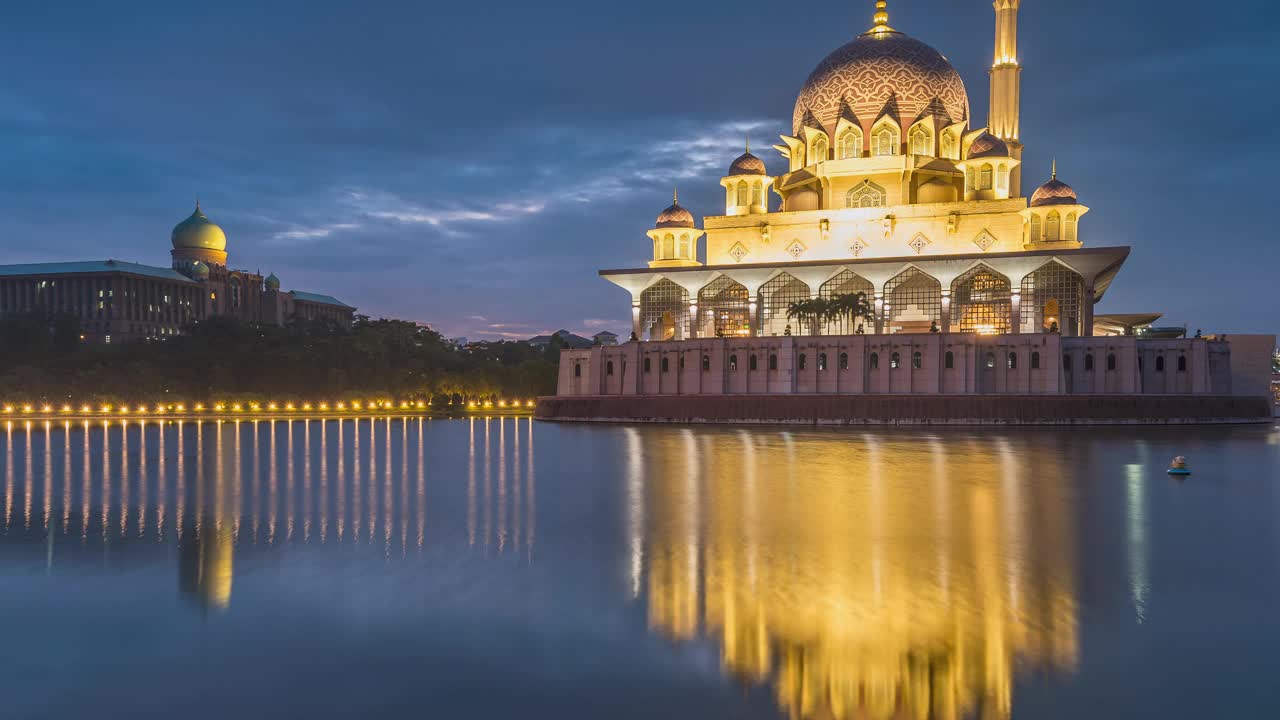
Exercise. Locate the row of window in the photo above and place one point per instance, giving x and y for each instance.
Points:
(1053, 227)
(982, 179)
(895, 362)
(885, 141)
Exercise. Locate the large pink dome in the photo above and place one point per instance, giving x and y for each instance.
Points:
(873, 69)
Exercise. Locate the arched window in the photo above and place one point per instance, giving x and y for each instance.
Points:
(757, 194)
(1002, 177)
(1071, 227)
(1053, 227)
(1182, 363)
(818, 151)
(875, 361)
(920, 141)
(666, 365)
(1111, 361)
(1013, 361)
(803, 360)
(849, 145)
(844, 361)
(1035, 228)
(1088, 362)
(991, 360)
(822, 361)
(894, 361)
(608, 368)
(984, 178)
(948, 144)
(1066, 362)
(752, 363)
(1159, 363)
(917, 361)
(970, 178)
(773, 362)
(668, 246)
(577, 370)
(684, 247)
(647, 366)
(681, 365)
(1035, 361)
(235, 292)
(706, 363)
(949, 362)
(884, 141)
(865, 195)
(733, 363)
(742, 193)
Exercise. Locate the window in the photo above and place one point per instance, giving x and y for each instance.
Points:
(1035, 228)
(802, 360)
(866, 195)
(884, 141)
(1013, 361)
(235, 292)
(647, 367)
(849, 145)
(844, 361)
(666, 365)
(875, 361)
(773, 362)
(1182, 363)
(1159, 363)
(733, 363)
(577, 370)
(920, 141)
(757, 194)
(991, 360)
(742, 193)
(1071, 227)
(818, 151)
(1066, 363)
(1035, 361)
(753, 364)
(970, 178)
(984, 178)
(1111, 361)
(950, 360)
(1002, 177)
(681, 362)
(1088, 362)
(917, 361)
(608, 368)
(1053, 227)
(894, 361)
(669, 246)
(822, 361)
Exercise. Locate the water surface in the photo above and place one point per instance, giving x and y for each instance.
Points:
(507, 568)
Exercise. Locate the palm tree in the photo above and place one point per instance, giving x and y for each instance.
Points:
(810, 312)
(850, 307)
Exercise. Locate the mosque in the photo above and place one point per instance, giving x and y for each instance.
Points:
(897, 253)
(118, 301)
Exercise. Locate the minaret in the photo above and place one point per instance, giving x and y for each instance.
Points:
(1006, 85)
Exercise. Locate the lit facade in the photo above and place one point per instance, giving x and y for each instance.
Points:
(117, 301)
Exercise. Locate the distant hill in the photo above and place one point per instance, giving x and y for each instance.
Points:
(572, 341)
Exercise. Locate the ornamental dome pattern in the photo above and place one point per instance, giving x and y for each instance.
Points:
(873, 73)
(747, 164)
(272, 282)
(988, 145)
(198, 232)
(1054, 192)
(675, 217)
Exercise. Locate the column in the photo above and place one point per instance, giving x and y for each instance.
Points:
(635, 317)
(879, 312)
(1015, 312)
(1086, 325)
(946, 311)
(753, 311)
(693, 320)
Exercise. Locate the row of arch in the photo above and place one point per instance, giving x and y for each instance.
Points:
(1054, 227)
(981, 301)
(885, 140)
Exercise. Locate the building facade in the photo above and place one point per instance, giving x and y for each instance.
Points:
(118, 301)
(896, 253)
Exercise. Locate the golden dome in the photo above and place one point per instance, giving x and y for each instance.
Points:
(198, 231)
(881, 70)
(988, 145)
(675, 216)
(748, 164)
(1054, 192)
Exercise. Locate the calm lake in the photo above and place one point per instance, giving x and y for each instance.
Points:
(508, 568)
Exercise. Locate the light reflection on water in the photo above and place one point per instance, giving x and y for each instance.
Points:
(880, 574)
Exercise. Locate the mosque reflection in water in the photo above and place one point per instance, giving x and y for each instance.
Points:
(868, 578)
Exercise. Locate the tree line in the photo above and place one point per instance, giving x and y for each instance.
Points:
(42, 359)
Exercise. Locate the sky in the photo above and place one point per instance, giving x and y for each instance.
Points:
(472, 165)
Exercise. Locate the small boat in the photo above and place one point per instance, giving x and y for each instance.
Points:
(1179, 466)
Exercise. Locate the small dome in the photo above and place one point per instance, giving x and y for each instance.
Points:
(1054, 192)
(804, 199)
(199, 232)
(199, 271)
(748, 164)
(675, 216)
(988, 145)
(273, 282)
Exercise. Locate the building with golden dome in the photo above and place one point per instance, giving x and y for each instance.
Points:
(896, 252)
(119, 301)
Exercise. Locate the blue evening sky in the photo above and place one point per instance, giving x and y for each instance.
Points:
(472, 164)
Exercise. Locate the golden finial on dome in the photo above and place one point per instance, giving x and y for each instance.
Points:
(1055, 169)
(675, 195)
(748, 142)
(881, 18)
